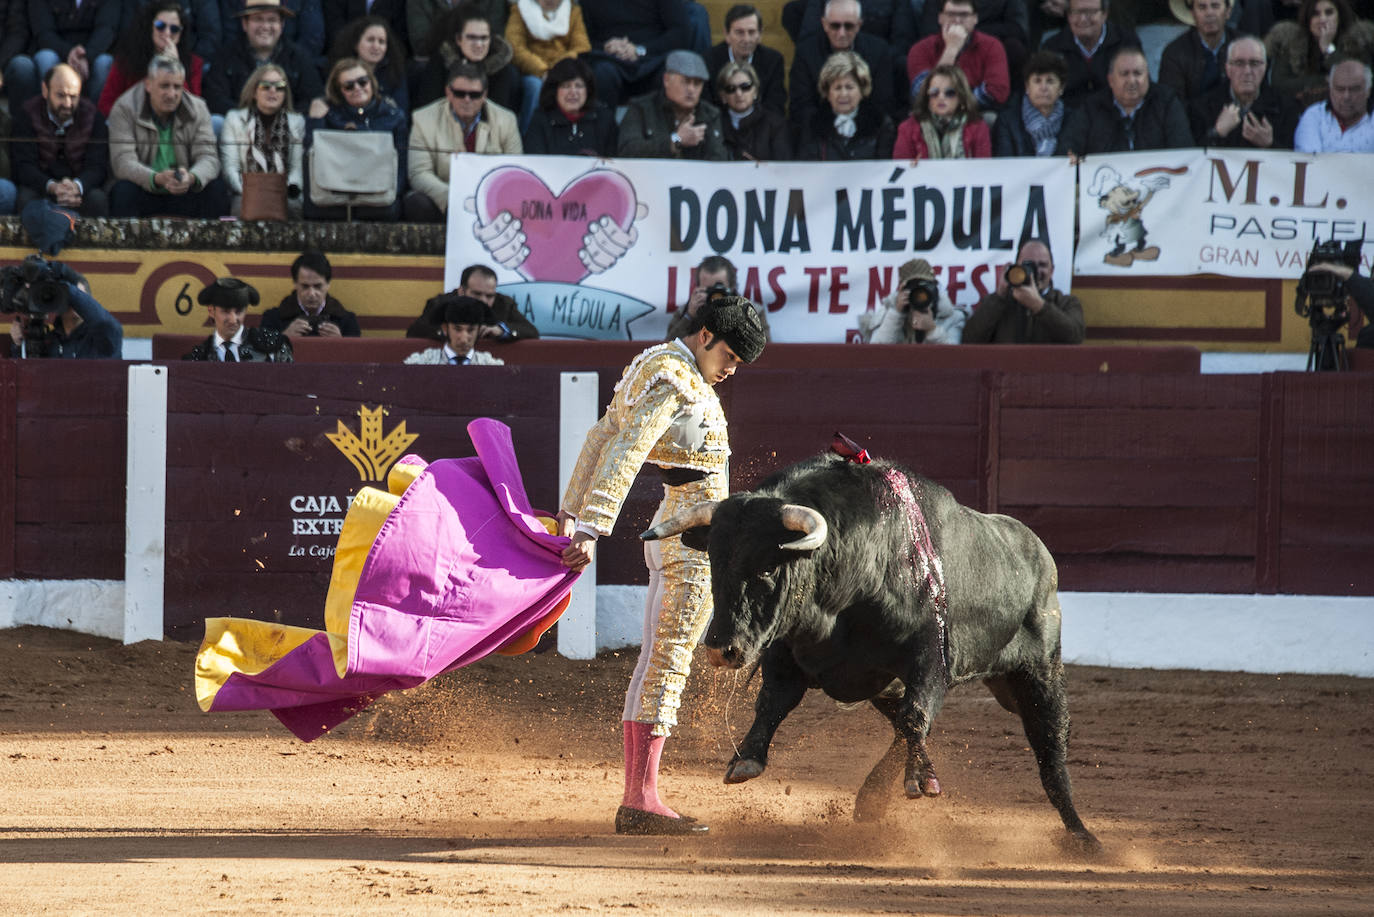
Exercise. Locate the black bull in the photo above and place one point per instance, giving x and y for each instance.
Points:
(873, 583)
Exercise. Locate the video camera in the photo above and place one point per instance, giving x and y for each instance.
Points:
(1322, 300)
(35, 287)
(921, 294)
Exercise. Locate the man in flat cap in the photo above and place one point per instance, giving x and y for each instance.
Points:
(227, 300)
(464, 318)
(665, 412)
(674, 122)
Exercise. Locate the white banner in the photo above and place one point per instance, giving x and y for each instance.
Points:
(604, 249)
(1241, 213)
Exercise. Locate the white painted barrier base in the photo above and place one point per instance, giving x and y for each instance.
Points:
(88, 606)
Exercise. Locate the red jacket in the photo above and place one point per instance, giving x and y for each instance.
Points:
(982, 59)
(911, 143)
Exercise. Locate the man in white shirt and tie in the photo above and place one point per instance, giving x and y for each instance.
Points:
(227, 300)
(464, 317)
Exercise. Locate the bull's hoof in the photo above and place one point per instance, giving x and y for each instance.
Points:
(1081, 843)
(742, 770)
(915, 789)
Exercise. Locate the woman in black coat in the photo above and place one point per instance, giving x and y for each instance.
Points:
(1033, 121)
(750, 131)
(570, 121)
(848, 125)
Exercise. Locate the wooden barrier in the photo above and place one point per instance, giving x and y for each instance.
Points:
(1158, 482)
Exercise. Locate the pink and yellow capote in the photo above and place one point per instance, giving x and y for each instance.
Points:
(447, 565)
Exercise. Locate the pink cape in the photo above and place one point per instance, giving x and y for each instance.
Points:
(460, 567)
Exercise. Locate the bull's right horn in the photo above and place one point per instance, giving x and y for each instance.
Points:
(690, 518)
(807, 520)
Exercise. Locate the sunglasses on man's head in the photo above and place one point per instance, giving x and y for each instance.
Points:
(273, 85)
(361, 82)
(167, 27)
(947, 93)
(466, 93)
(740, 87)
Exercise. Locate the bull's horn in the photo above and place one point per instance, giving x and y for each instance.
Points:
(692, 517)
(803, 519)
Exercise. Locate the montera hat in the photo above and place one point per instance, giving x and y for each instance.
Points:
(467, 310)
(734, 320)
(229, 293)
(687, 63)
(264, 6)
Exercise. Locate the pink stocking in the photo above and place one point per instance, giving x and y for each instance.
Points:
(642, 753)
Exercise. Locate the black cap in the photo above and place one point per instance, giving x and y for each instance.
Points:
(734, 320)
(467, 310)
(228, 293)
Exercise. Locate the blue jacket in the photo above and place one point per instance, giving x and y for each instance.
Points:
(379, 115)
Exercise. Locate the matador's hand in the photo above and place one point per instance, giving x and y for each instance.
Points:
(580, 552)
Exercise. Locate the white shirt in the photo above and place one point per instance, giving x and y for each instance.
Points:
(1320, 132)
(234, 343)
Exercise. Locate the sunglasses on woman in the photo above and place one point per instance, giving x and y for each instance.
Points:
(272, 85)
(167, 27)
(739, 87)
(947, 93)
(361, 82)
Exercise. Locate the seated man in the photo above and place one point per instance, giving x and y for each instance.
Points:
(464, 318)
(55, 315)
(227, 300)
(1026, 309)
(1243, 110)
(960, 44)
(78, 34)
(1341, 124)
(1087, 46)
(841, 21)
(715, 274)
(674, 122)
(309, 310)
(630, 41)
(464, 120)
(743, 31)
(478, 281)
(1191, 64)
(60, 147)
(1129, 115)
(162, 150)
(257, 40)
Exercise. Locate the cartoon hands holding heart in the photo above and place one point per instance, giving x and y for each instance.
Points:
(585, 229)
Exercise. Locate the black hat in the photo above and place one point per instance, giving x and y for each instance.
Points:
(228, 293)
(734, 320)
(467, 310)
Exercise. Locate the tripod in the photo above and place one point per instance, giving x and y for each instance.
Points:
(1327, 352)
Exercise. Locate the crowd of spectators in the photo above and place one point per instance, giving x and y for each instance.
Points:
(136, 108)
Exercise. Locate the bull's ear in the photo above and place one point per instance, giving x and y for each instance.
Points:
(696, 538)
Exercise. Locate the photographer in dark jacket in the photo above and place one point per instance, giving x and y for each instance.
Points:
(309, 310)
(55, 316)
(1361, 290)
(1026, 309)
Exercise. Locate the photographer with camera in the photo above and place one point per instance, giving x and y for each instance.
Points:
(1325, 291)
(55, 315)
(715, 274)
(915, 312)
(1026, 309)
(309, 310)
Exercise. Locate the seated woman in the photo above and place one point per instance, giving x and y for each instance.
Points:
(1302, 51)
(353, 104)
(750, 131)
(370, 40)
(848, 125)
(540, 34)
(944, 122)
(263, 135)
(570, 121)
(157, 29)
(1030, 126)
(465, 34)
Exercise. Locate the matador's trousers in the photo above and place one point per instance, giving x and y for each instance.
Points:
(676, 613)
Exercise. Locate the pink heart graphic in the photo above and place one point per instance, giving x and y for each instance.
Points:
(555, 224)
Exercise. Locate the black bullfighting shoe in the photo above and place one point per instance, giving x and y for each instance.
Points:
(637, 821)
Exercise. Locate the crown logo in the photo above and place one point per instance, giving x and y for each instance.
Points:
(372, 453)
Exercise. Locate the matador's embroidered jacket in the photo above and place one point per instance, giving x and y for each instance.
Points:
(665, 412)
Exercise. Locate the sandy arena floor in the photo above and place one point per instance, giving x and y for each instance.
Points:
(491, 791)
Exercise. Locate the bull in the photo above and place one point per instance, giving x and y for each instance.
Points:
(874, 584)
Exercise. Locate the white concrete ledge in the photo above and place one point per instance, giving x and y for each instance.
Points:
(88, 606)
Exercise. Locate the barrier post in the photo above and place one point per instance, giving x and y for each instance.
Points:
(145, 507)
(577, 414)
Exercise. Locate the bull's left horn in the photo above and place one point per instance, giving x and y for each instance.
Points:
(807, 520)
(692, 517)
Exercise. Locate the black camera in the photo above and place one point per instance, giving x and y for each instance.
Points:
(34, 287)
(1024, 274)
(1322, 300)
(921, 294)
